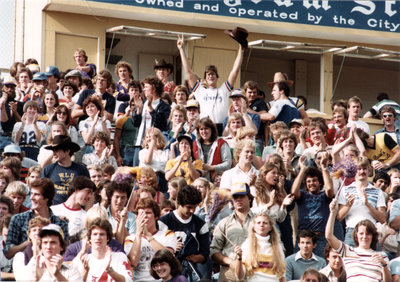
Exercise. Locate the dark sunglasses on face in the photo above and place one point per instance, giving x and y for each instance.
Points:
(61, 113)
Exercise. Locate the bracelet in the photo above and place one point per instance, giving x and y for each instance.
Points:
(150, 239)
(110, 270)
(384, 265)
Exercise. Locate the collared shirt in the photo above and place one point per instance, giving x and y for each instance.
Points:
(296, 265)
(236, 175)
(130, 222)
(299, 257)
(328, 272)
(230, 227)
(19, 226)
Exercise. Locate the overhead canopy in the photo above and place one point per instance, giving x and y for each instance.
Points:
(153, 33)
(294, 46)
(360, 52)
(369, 53)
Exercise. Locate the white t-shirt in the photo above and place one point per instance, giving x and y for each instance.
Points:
(28, 136)
(87, 123)
(236, 175)
(167, 238)
(214, 102)
(160, 159)
(97, 267)
(359, 124)
(76, 217)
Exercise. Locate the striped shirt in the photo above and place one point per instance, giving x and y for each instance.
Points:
(358, 210)
(359, 264)
(376, 109)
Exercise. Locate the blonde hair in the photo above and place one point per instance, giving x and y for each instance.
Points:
(243, 132)
(16, 188)
(235, 116)
(240, 145)
(94, 213)
(393, 171)
(251, 262)
(160, 141)
(207, 185)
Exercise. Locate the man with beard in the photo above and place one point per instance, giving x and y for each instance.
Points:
(11, 110)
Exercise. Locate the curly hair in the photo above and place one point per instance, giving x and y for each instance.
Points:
(156, 83)
(102, 224)
(102, 136)
(123, 64)
(188, 196)
(96, 101)
(261, 186)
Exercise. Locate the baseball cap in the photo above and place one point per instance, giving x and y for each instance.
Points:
(52, 70)
(51, 229)
(296, 121)
(240, 188)
(192, 104)
(39, 76)
(9, 80)
(12, 149)
(237, 93)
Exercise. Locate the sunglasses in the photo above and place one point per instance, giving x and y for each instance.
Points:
(61, 113)
(388, 115)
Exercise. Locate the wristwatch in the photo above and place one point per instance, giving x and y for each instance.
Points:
(110, 270)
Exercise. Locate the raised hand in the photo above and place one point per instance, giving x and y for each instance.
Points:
(55, 264)
(288, 200)
(180, 43)
(333, 207)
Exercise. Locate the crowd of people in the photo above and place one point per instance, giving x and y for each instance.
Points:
(128, 180)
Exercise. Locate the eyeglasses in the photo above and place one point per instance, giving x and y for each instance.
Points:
(61, 113)
(388, 116)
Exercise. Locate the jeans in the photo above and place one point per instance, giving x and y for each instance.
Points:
(131, 156)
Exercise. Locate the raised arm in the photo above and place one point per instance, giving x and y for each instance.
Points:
(326, 175)
(190, 75)
(299, 179)
(333, 241)
(236, 66)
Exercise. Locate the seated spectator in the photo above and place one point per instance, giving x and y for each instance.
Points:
(244, 171)
(317, 131)
(45, 156)
(235, 121)
(174, 185)
(102, 151)
(275, 131)
(262, 253)
(270, 196)
(63, 114)
(16, 191)
(193, 116)
(49, 106)
(288, 144)
(82, 246)
(7, 272)
(123, 70)
(166, 267)
(235, 227)
(363, 254)
(178, 118)
(96, 174)
(96, 121)
(63, 171)
(102, 262)
(311, 274)
(147, 240)
(13, 150)
(214, 152)
(202, 210)
(185, 164)
(49, 264)
(334, 270)
(6, 206)
(166, 207)
(4, 180)
(42, 194)
(23, 257)
(100, 196)
(154, 155)
(108, 171)
(29, 133)
(123, 222)
(250, 134)
(80, 193)
(297, 263)
(69, 97)
(181, 95)
(191, 231)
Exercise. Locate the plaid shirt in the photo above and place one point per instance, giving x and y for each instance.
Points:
(17, 231)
